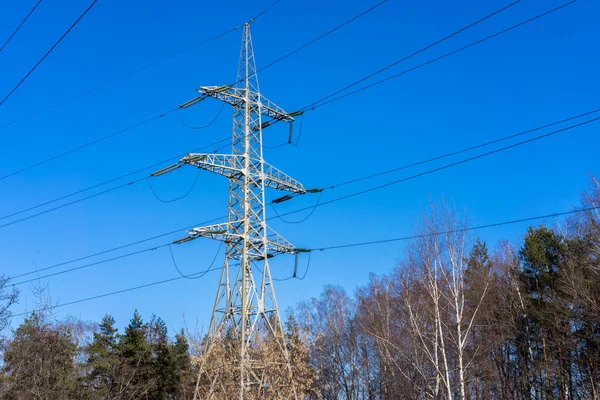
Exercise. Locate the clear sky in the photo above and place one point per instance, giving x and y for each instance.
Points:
(539, 73)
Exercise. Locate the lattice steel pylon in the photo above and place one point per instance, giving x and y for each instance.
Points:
(245, 299)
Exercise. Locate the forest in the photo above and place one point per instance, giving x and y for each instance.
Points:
(456, 318)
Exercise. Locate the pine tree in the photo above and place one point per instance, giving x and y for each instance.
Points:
(135, 359)
(163, 365)
(102, 361)
(183, 366)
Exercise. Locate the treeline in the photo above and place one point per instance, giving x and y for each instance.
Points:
(72, 360)
(453, 320)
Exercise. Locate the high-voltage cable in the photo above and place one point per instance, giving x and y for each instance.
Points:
(119, 292)
(355, 180)
(83, 146)
(321, 101)
(98, 193)
(444, 167)
(421, 50)
(184, 105)
(48, 52)
(140, 69)
(20, 25)
(334, 247)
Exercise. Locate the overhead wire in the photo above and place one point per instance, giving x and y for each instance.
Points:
(118, 292)
(444, 167)
(464, 150)
(203, 126)
(352, 194)
(471, 228)
(446, 155)
(88, 144)
(183, 196)
(38, 270)
(320, 103)
(48, 52)
(20, 25)
(86, 197)
(322, 36)
(301, 220)
(85, 266)
(156, 116)
(421, 50)
(109, 181)
(460, 162)
(331, 248)
(163, 59)
(194, 276)
(294, 276)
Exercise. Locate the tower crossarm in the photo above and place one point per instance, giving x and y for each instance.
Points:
(277, 244)
(230, 232)
(236, 97)
(223, 164)
(276, 179)
(230, 165)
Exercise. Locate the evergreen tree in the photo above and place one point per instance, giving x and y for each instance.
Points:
(183, 366)
(544, 328)
(102, 361)
(540, 255)
(163, 365)
(135, 359)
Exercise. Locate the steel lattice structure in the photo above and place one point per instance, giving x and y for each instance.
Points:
(245, 297)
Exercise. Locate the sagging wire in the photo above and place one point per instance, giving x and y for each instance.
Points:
(295, 276)
(172, 168)
(302, 220)
(290, 141)
(195, 275)
(177, 198)
(299, 132)
(203, 126)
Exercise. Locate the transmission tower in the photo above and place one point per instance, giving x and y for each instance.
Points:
(245, 300)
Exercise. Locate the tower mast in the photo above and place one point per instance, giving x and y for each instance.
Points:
(245, 306)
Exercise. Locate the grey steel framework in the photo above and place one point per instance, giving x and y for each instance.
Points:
(245, 297)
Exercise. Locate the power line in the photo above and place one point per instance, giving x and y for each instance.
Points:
(319, 103)
(165, 113)
(120, 291)
(203, 126)
(91, 264)
(307, 107)
(331, 248)
(98, 193)
(516, 221)
(192, 275)
(20, 25)
(303, 219)
(352, 194)
(49, 51)
(161, 60)
(464, 150)
(117, 248)
(454, 164)
(183, 196)
(330, 186)
(83, 146)
(413, 54)
(323, 36)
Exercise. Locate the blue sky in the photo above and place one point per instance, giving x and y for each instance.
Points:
(536, 74)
